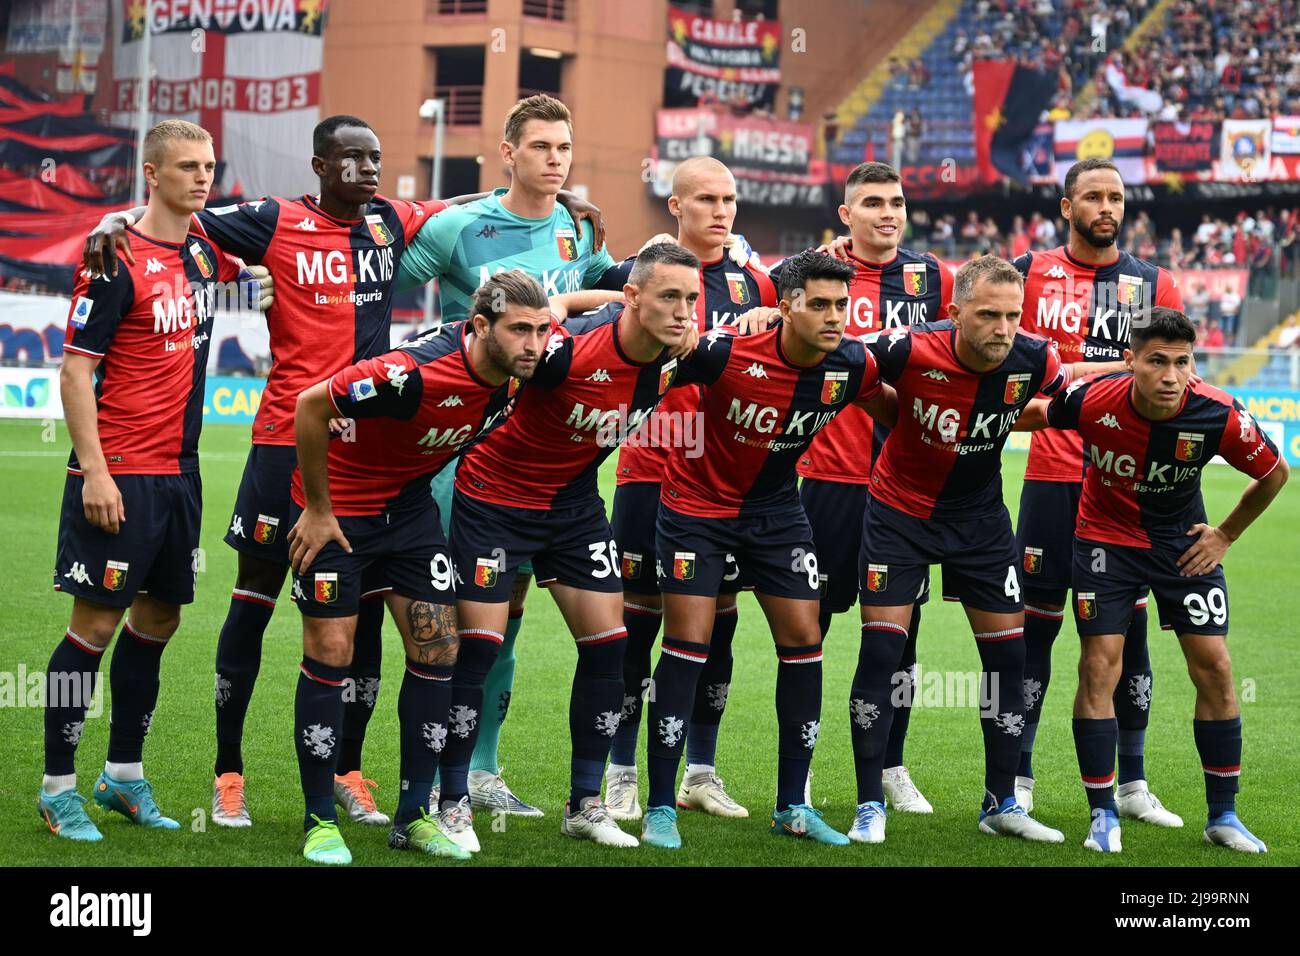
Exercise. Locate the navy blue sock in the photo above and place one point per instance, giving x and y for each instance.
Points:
(1133, 699)
(1002, 656)
(239, 657)
(711, 692)
(594, 706)
(477, 653)
(673, 686)
(71, 676)
(642, 625)
(361, 695)
(798, 718)
(1041, 629)
(871, 703)
(422, 718)
(318, 723)
(901, 695)
(1219, 744)
(133, 681)
(1094, 743)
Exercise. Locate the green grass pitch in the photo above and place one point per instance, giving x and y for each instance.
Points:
(943, 749)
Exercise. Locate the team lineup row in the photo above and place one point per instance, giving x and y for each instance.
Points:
(898, 434)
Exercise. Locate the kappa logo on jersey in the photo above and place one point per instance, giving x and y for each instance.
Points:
(451, 401)
(553, 345)
(936, 374)
(485, 572)
(307, 225)
(78, 573)
(396, 376)
(566, 244)
(201, 260)
(684, 565)
(1056, 272)
(631, 565)
(877, 577)
(115, 575)
(1109, 420)
(1246, 423)
(756, 370)
(914, 278)
(737, 288)
(1017, 385)
(362, 389)
(327, 587)
(834, 386)
(666, 376)
(1087, 605)
(600, 375)
(378, 231)
(1033, 560)
(1189, 445)
(151, 266)
(1129, 291)
(264, 530)
(81, 312)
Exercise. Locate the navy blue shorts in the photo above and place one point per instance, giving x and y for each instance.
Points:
(260, 525)
(399, 551)
(155, 552)
(835, 511)
(443, 487)
(1110, 578)
(636, 514)
(570, 545)
(698, 555)
(1045, 534)
(978, 556)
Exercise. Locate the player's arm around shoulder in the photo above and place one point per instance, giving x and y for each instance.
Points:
(428, 254)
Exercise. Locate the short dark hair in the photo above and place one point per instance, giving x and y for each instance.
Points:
(505, 289)
(667, 253)
(870, 173)
(1162, 323)
(1087, 166)
(797, 270)
(323, 135)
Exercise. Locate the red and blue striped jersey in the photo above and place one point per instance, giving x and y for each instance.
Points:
(1088, 311)
(585, 397)
(415, 408)
(151, 326)
(1143, 487)
(760, 413)
(944, 457)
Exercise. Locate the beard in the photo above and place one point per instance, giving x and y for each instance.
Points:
(1091, 237)
(502, 359)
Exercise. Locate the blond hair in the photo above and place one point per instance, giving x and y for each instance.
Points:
(156, 140)
(989, 268)
(540, 107)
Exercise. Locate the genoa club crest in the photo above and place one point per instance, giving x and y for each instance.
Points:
(1087, 605)
(737, 288)
(1129, 291)
(264, 530)
(1188, 447)
(834, 385)
(378, 231)
(513, 387)
(666, 376)
(684, 565)
(326, 587)
(201, 260)
(485, 572)
(1033, 560)
(1017, 388)
(631, 565)
(115, 574)
(877, 577)
(914, 278)
(567, 244)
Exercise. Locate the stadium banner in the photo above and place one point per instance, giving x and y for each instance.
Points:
(1183, 147)
(31, 328)
(1009, 98)
(1218, 282)
(30, 393)
(1278, 414)
(66, 26)
(248, 73)
(1244, 151)
(1121, 140)
(1286, 135)
(231, 399)
(730, 61)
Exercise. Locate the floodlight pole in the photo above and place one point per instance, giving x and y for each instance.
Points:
(142, 111)
(437, 111)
